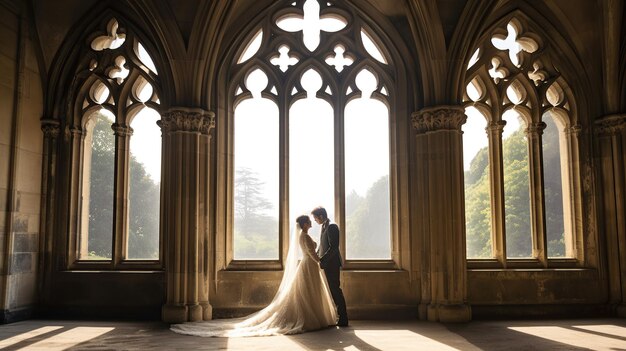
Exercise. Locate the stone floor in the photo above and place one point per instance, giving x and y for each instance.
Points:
(583, 334)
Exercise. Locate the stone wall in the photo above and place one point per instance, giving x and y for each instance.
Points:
(21, 104)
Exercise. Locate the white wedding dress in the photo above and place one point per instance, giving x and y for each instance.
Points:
(302, 303)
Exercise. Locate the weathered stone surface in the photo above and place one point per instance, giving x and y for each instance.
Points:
(20, 223)
(24, 243)
(22, 263)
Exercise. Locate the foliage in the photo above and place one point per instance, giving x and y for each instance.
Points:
(517, 198)
(368, 222)
(101, 190)
(256, 232)
(143, 236)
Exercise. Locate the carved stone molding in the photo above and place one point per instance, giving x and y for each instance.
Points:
(536, 128)
(575, 129)
(187, 120)
(121, 130)
(51, 128)
(610, 125)
(74, 132)
(436, 118)
(496, 126)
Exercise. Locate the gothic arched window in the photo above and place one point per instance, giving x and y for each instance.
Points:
(118, 145)
(518, 151)
(311, 92)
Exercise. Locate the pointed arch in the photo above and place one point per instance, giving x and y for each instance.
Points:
(543, 64)
(72, 63)
(557, 50)
(227, 90)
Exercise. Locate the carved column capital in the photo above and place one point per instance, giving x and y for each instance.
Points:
(496, 126)
(51, 128)
(73, 132)
(574, 130)
(536, 128)
(610, 125)
(187, 120)
(436, 118)
(121, 130)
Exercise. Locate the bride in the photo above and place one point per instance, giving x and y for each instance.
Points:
(302, 303)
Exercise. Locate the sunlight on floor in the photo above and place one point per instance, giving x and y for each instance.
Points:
(28, 335)
(606, 329)
(573, 337)
(400, 337)
(259, 343)
(68, 339)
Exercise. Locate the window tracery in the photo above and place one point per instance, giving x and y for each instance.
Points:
(517, 184)
(119, 144)
(328, 83)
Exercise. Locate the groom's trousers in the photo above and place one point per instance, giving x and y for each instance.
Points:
(332, 276)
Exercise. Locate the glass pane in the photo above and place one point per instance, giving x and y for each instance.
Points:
(144, 190)
(311, 154)
(477, 185)
(145, 57)
(554, 179)
(516, 186)
(252, 47)
(256, 174)
(371, 47)
(96, 239)
(368, 233)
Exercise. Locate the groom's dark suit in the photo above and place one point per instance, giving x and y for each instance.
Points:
(331, 262)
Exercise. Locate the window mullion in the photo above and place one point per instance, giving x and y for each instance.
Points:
(77, 183)
(340, 169)
(283, 147)
(573, 238)
(498, 231)
(537, 203)
(120, 200)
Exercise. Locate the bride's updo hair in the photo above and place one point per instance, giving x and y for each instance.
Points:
(303, 219)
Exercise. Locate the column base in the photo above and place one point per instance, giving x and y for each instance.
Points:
(207, 311)
(191, 313)
(459, 313)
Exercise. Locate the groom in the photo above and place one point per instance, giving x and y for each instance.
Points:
(330, 260)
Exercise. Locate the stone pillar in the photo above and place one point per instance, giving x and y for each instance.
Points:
(440, 153)
(539, 241)
(611, 133)
(120, 212)
(496, 171)
(185, 229)
(51, 129)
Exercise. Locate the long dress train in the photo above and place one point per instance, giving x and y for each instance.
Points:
(302, 303)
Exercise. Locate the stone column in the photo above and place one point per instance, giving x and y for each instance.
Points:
(120, 212)
(539, 241)
(185, 228)
(496, 171)
(611, 132)
(439, 143)
(51, 129)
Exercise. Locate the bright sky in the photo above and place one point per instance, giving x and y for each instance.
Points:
(474, 135)
(145, 143)
(311, 143)
(311, 127)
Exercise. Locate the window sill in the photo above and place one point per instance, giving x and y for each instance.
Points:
(129, 265)
(349, 265)
(525, 263)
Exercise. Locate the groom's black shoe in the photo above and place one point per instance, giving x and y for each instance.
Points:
(342, 323)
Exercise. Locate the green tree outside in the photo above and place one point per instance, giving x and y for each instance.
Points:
(517, 197)
(256, 233)
(144, 199)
